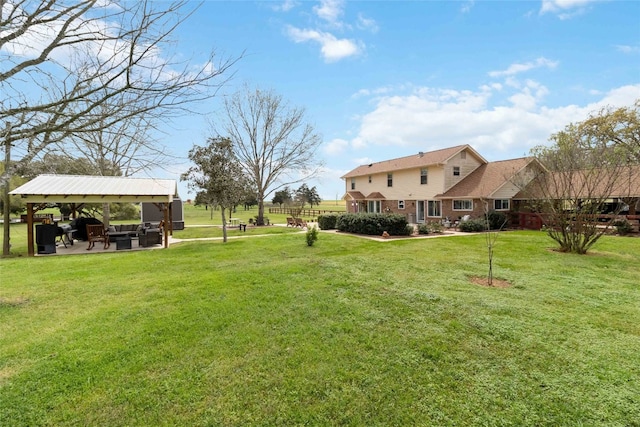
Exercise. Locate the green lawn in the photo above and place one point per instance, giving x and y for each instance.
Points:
(269, 331)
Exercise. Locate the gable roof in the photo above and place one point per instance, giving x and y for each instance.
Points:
(597, 183)
(96, 189)
(487, 179)
(353, 195)
(421, 159)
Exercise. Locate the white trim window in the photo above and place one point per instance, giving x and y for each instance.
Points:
(424, 176)
(434, 209)
(501, 204)
(400, 204)
(463, 205)
(456, 171)
(389, 180)
(353, 183)
(374, 206)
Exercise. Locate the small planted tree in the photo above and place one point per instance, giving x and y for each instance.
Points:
(217, 174)
(311, 235)
(494, 223)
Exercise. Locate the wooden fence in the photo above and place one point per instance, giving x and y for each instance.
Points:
(306, 213)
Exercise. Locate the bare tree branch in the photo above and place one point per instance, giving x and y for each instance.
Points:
(272, 141)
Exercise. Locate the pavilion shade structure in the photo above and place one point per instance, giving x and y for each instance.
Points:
(96, 189)
(79, 189)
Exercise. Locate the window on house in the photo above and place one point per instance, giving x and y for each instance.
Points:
(400, 204)
(463, 205)
(456, 171)
(374, 206)
(501, 204)
(369, 179)
(423, 176)
(463, 155)
(353, 183)
(389, 180)
(433, 208)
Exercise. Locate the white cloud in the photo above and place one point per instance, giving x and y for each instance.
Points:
(467, 6)
(363, 161)
(628, 49)
(332, 48)
(335, 146)
(565, 9)
(431, 118)
(284, 6)
(514, 69)
(367, 24)
(330, 10)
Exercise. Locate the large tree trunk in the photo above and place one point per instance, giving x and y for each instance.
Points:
(260, 220)
(224, 225)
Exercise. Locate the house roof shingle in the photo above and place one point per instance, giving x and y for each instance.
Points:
(414, 161)
(596, 183)
(487, 179)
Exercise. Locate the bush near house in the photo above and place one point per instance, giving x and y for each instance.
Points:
(623, 227)
(430, 227)
(328, 221)
(473, 225)
(497, 220)
(373, 224)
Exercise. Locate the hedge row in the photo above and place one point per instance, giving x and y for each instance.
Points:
(328, 221)
(371, 224)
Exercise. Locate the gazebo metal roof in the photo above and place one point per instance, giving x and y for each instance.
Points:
(96, 189)
(79, 189)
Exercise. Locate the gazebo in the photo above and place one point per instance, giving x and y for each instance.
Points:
(79, 189)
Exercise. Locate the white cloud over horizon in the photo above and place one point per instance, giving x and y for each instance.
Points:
(431, 118)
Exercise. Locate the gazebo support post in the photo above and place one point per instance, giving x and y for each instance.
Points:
(30, 248)
(166, 224)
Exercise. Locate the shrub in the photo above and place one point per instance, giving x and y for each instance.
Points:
(328, 221)
(424, 229)
(123, 211)
(497, 220)
(373, 224)
(435, 227)
(473, 225)
(623, 227)
(312, 235)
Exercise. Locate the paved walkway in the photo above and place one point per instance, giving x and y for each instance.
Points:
(448, 233)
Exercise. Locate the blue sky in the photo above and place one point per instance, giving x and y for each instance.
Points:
(384, 79)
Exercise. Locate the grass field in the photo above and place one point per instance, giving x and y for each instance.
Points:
(269, 331)
(195, 218)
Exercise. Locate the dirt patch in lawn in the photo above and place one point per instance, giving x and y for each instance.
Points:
(484, 281)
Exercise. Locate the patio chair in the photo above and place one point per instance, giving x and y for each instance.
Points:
(291, 222)
(301, 223)
(97, 233)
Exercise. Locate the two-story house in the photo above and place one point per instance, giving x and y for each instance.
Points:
(452, 182)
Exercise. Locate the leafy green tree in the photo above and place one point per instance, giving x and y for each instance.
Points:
(615, 128)
(282, 197)
(304, 195)
(16, 206)
(218, 176)
(586, 166)
(313, 197)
